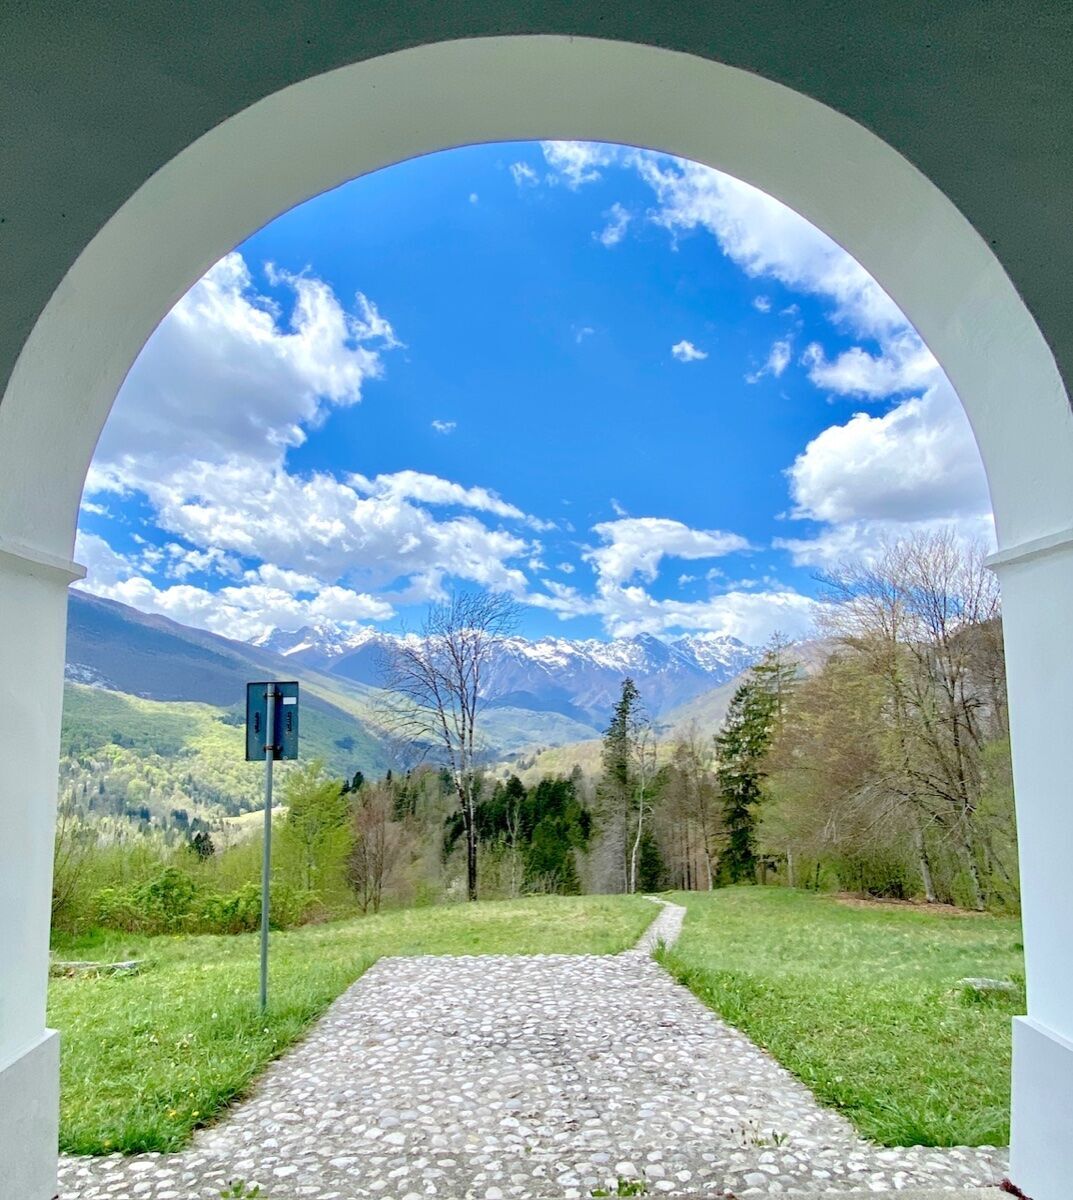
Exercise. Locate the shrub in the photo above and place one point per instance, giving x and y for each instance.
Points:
(878, 874)
(174, 902)
(231, 912)
(164, 903)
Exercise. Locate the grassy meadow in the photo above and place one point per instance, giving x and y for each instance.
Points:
(860, 1002)
(147, 1058)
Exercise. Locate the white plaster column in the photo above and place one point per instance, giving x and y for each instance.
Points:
(1037, 605)
(33, 613)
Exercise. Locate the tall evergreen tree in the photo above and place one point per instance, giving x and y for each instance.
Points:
(618, 737)
(652, 870)
(623, 783)
(742, 745)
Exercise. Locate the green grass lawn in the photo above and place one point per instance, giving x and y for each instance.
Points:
(147, 1058)
(862, 1004)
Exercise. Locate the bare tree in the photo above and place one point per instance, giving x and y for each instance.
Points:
(378, 844)
(689, 809)
(924, 617)
(437, 679)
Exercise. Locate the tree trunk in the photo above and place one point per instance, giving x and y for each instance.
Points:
(636, 846)
(470, 815)
(979, 899)
(924, 863)
(471, 863)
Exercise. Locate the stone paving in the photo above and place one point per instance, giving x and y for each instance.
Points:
(526, 1077)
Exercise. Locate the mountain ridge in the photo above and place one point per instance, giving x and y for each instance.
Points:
(541, 693)
(156, 707)
(579, 678)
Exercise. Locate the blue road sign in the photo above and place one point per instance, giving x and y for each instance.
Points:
(284, 723)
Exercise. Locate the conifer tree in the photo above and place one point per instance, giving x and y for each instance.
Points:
(629, 766)
(742, 745)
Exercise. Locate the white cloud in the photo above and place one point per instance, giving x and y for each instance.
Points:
(276, 577)
(864, 540)
(202, 428)
(916, 466)
(582, 333)
(751, 616)
(577, 163)
(104, 566)
(223, 377)
(633, 549)
(271, 598)
(524, 175)
(182, 562)
(762, 304)
(245, 612)
(686, 352)
(474, 198)
(368, 530)
(431, 489)
(777, 361)
(618, 220)
(637, 546)
(916, 462)
(905, 365)
(567, 568)
(627, 611)
(445, 426)
(765, 238)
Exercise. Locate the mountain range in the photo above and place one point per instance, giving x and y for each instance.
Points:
(578, 679)
(147, 688)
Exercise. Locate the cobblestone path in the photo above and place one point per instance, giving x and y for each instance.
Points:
(546, 1076)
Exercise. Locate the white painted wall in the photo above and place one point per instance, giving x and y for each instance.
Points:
(33, 612)
(319, 133)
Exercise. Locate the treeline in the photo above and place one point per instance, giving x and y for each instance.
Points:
(883, 770)
(880, 766)
(340, 847)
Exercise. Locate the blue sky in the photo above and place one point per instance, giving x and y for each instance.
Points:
(636, 394)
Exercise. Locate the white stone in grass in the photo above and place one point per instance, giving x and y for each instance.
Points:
(986, 987)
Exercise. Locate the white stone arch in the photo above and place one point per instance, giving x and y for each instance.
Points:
(316, 134)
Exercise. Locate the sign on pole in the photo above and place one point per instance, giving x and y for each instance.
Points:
(271, 734)
(284, 716)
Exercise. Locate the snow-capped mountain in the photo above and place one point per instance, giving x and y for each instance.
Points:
(317, 644)
(580, 679)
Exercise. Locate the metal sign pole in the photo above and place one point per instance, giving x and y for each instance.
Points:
(266, 865)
